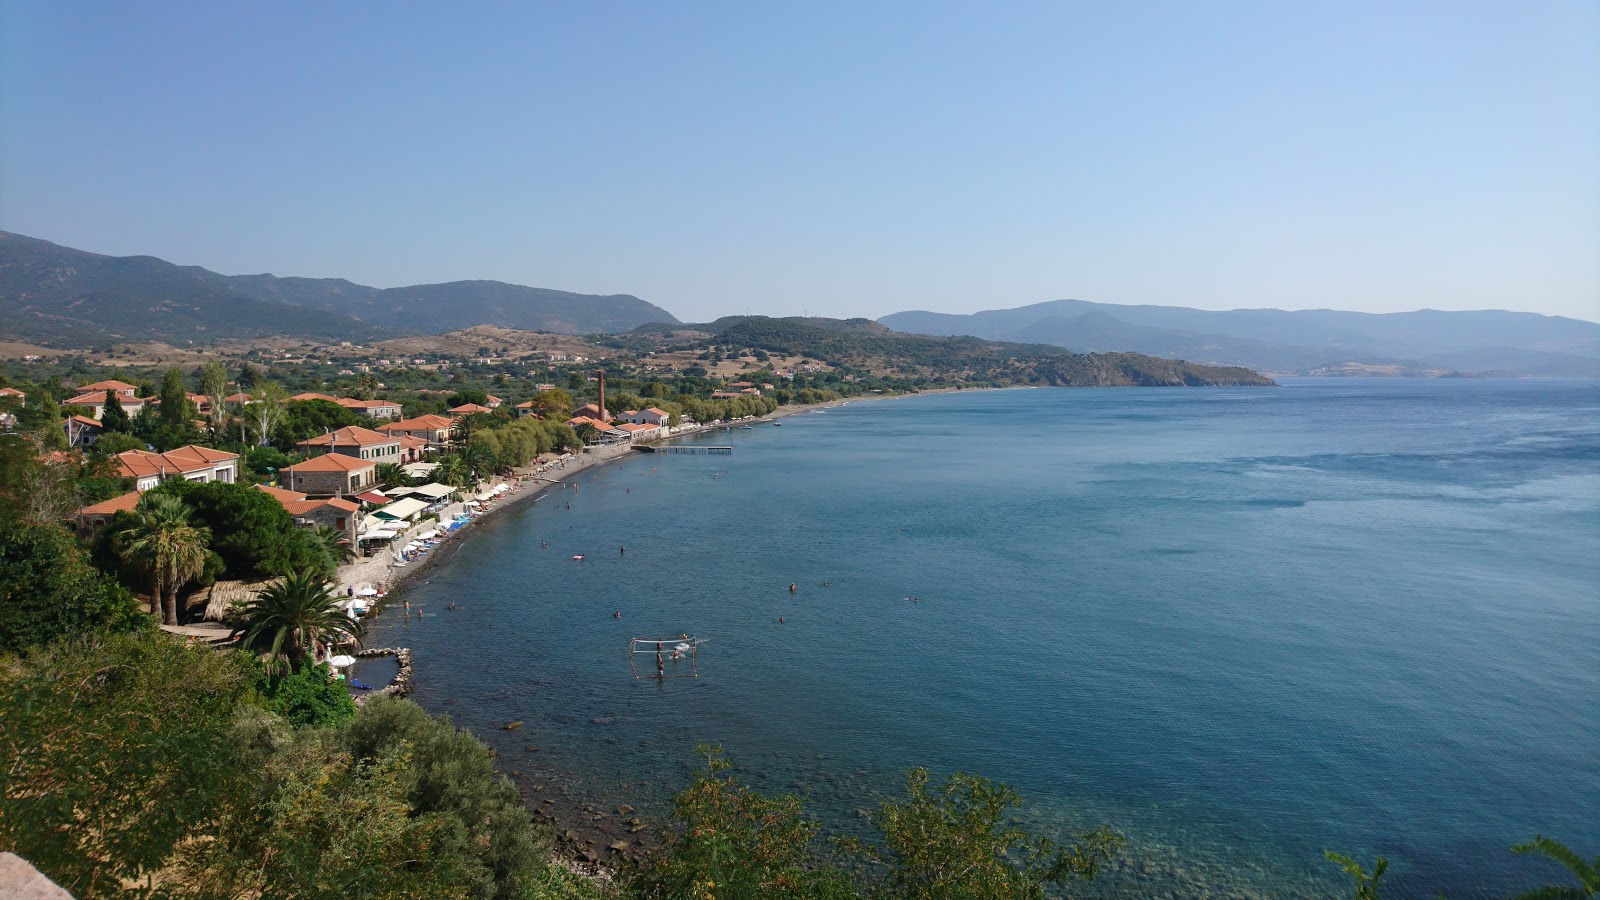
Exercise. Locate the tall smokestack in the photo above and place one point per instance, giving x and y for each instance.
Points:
(602, 403)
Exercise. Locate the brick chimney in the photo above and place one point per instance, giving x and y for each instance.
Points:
(602, 402)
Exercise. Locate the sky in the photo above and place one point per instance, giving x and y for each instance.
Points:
(842, 159)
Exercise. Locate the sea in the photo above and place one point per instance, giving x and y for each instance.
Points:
(1241, 626)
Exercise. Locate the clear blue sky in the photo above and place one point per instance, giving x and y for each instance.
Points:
(837, 158)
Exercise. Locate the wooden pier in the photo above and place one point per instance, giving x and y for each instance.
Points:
(682, 448)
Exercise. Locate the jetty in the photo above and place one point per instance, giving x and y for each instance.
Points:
(682, 448)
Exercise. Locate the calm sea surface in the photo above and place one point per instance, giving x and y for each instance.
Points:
(1240, 625)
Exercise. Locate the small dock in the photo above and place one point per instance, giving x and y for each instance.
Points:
(682, 448)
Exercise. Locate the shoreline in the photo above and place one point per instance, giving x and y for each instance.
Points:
(589, 840)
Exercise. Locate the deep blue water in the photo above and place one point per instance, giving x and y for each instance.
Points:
(1240, 625)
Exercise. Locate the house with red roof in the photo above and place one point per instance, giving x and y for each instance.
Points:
(467, 409)
(640, 432)
(433, 430)
(647, 416)
(11, 393)
(96, 401)
(353, 440)
(337, 513)
(120, 388)
(372, 409)
(189, 462)
(331, 475)
(81, 430)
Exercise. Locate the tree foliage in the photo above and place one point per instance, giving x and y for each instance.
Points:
(306, 696)
(732, 842)
(162, 541)
(48, 590)
(288, 618)
(105, 767)
(1587, 872)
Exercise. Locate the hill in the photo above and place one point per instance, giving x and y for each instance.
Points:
(1292, 341)
(864, 346)
(440, 308)
(60, 296)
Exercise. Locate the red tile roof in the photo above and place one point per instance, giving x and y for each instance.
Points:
(113, 506)
(112, 385)
(429, 422)
(309, 395)
(181, 460)
(349, 436)
(280, 494)
(468, 408)
(332, 462)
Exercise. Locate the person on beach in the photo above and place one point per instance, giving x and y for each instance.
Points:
(408, 609)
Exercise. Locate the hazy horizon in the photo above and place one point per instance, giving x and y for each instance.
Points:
(830, 160)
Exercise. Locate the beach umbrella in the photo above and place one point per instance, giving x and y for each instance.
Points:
(367, 592)
(341, 661)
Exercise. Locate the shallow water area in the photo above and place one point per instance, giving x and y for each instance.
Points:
(1240, 625)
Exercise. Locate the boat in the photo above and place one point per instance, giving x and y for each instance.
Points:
(578, 556)
(777, 424)
(744, 427)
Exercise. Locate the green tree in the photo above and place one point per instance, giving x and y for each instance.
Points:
(305, 697)
(113, 418)
(954, 843)
(167, 546)
(453, 471)
(113, 442)
(392, 475)
(1587, 872)
(288, 618)
(553, 404)
(48, 590)
(214, 384)
(587, 432)
(106, 765)
(1366, 885)
(732, 842)
(331, 546)
(174, 400)
(251, 531)
(479, 459)
(452, 775)
(248, 376)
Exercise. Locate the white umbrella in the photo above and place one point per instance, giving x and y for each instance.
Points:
(341, 661)
(367, 592)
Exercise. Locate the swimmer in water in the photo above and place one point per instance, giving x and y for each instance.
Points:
(791, 588)
(617, 614)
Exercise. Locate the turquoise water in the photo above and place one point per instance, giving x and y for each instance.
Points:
(1240, 625)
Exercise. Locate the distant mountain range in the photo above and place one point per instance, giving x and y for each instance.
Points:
(58, 296)
(1284, 342)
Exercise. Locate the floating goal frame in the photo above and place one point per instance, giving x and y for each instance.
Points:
(666, 646)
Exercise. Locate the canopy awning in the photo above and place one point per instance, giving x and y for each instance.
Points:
(401, 509)
(380, 534)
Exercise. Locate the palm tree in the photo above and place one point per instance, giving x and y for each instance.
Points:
(454, 472)
(332, 544)
(1587, 873)
(587, 432)
(167, 546)
(470, 423)
(480, 459)
(291, 616)
(392, 475)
